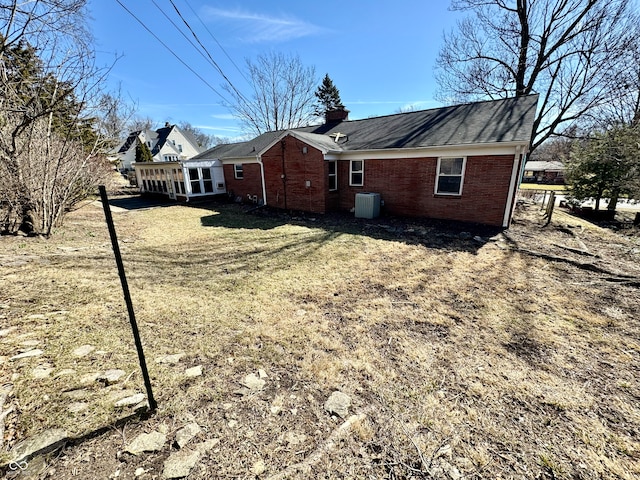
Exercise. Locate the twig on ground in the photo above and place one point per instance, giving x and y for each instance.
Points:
(326, 447)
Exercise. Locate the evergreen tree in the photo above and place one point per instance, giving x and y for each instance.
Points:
(328, 97)
(143, 154)
(606, 166)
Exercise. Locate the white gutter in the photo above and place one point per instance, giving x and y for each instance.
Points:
(509, 207)
(264, 188)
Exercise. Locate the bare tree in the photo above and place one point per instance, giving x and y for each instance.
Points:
(49, 142)
(282, 94)
(204, 140)
(624, 106)
(140, 123)
(566, 51)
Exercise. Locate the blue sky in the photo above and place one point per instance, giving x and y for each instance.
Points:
(380, 54)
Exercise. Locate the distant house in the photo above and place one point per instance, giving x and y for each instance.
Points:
(543, 172)
(167, 144)
(460, 163)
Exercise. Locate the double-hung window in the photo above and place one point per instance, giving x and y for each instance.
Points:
(356, 173)
(333, 176)
(450, 176)
(237, 171)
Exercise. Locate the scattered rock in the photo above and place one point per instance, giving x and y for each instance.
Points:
(338, 403)
(262, 373)
(77, 407)
(29, 353)
(132, 400)
(293, 438)
(193, 372)
(44, 442)
(89, 377)
(275, 409)
(186, 434)
(42, 371)
(6, 331)
(139, 471)
(110, 376)
(147, 442)
(179, 464)
(83, 351)
(65, 371)
(258, 468)
(175, 358)
(37, 316)
(207, 445)
(232, 423)
(478, 239)
(30, 343)
(78, 394)
(253, 382)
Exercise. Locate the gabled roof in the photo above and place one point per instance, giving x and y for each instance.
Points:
(129, 141)
(497, 121)
(163, 133)
(542, 165)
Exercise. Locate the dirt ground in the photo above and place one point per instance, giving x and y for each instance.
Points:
(467, 352)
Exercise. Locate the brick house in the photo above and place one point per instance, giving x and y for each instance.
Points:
(459, 163)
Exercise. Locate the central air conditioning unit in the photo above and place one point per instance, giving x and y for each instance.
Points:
(367, 205)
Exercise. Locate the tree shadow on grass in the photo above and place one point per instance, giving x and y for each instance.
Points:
(140, 202)
(430, 233)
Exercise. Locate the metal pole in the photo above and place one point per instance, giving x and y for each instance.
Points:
(127, 297)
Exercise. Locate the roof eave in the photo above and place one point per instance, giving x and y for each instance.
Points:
(421, 151)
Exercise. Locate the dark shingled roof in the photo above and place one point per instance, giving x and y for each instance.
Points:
(163, 133)
(129, 141)
(495, 121)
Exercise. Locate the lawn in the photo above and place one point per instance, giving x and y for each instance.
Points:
(510, 355)
(543, 187)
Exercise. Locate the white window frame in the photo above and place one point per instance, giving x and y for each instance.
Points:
(440, 174)
(334, 175)
(238, 173)
(352, 171)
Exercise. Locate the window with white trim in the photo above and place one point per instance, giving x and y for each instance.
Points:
(238, 172)
(194, 178)
(450, 175)
(333, 176)
(356, 173)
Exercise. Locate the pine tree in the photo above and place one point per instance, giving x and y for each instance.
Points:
(328, 97)
(143, 154)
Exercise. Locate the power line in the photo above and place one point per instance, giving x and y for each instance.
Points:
(240, 95)
(216, 40)
(172, 52)
(182, 33)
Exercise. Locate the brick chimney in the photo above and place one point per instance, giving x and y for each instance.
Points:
(337, 115)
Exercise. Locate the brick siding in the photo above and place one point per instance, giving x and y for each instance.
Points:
(406, 185)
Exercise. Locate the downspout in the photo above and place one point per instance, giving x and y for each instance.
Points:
(513, 185)
(284, 175)
(264, 188)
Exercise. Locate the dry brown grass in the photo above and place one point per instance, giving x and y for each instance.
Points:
(479, 359)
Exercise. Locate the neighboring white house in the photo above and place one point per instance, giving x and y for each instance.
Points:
(167, 144)
(539, 171)
(182, 179)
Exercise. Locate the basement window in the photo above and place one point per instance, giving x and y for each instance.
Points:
(356, 173)
(238, 172)
(450, 176)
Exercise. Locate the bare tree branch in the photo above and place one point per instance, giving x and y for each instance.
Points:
(571, 52)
